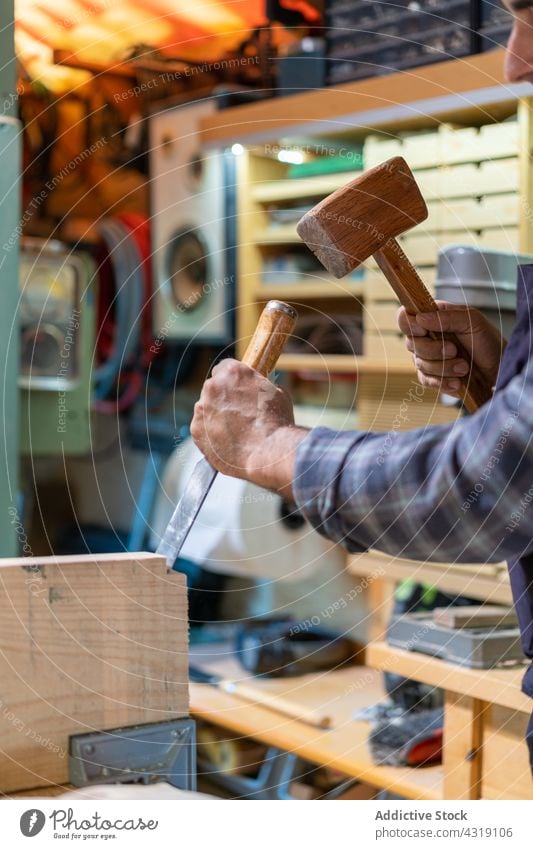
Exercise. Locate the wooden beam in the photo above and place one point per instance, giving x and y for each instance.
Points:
(486, 582)
(343, 747)
(125, 69)
(120, 69)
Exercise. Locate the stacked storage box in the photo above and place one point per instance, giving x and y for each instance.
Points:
(470, 178)
(369, 37)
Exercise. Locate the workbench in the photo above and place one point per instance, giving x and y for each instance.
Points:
(486, 714)
(485, 721)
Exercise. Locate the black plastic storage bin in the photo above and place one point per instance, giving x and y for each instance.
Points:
(495, 24)
(368, 38)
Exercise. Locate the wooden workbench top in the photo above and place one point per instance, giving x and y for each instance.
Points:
(499, 686)
(407, 95)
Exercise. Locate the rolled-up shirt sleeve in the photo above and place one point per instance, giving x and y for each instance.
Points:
(451, 493)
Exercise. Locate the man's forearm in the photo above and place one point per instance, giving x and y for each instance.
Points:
(439, 493)
(244, 426)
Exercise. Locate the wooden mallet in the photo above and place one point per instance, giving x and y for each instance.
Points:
(363, 219)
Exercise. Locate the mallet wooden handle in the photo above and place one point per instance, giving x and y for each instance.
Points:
(276, 702)
(414, 296)
(275, 323)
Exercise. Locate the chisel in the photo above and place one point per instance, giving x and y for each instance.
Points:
(275, 325)
(363, 219)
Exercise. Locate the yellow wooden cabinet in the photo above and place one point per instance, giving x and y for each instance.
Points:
(468, 137)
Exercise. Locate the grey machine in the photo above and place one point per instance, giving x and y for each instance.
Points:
(485, 279)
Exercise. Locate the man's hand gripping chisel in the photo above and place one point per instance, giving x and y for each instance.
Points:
(275, 325)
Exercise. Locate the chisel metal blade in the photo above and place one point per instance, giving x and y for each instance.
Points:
(187, 510)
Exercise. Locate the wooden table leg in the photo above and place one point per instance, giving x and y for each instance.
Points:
(463, 737)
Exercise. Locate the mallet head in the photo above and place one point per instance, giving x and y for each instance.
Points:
(357, 220)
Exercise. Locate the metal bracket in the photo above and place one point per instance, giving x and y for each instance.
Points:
(163, 751)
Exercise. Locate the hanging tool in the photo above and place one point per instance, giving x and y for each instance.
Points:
(275, 324)
(363, 219)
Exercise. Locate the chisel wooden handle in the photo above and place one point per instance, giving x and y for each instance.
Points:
(414, 296)
(275, 323)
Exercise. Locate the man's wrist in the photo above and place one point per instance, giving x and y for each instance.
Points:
(272, 466)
